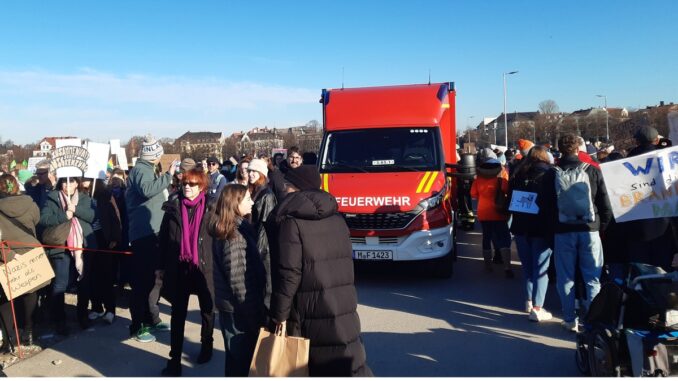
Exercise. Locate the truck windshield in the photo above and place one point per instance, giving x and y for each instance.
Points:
(382, 150)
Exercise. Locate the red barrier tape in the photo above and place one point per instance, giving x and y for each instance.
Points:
(25, 244)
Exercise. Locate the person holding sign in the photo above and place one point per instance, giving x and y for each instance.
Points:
(533, 210)
(18, 218)
(66, 205)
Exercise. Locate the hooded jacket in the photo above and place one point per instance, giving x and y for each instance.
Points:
(171, 232)
(484, 189)
(313, 284)
(19, 210)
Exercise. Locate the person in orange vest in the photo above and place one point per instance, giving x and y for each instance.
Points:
(492, 178)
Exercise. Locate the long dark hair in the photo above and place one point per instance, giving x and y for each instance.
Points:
(224, 219)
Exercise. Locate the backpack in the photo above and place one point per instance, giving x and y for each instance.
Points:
(573, 191)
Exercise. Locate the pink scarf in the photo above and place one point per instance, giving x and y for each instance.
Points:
(191, 228)
(75, 237)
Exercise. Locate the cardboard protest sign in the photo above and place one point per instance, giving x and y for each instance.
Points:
(69, 158)
(643, 187)
(26, 272)
(33, 161)
(167, 159)
(524, 202)
(97, 164)
(470, 148)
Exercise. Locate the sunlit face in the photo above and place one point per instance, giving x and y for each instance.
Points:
(70, 186)
(243, 170)
(294, 160)
(191, 189)
(254, 176)
(245, 206)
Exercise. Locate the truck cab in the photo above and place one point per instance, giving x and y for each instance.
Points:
(385, 156)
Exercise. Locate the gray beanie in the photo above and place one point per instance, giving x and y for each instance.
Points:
(151, 149)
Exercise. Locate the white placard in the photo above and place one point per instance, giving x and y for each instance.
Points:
(33, 161)
(69, 164)
(98, 160)
(643, 187)
(115, 145)
(524, 202)
(134, 161)
(122, 159)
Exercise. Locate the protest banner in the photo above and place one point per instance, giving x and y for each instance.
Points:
(97, 164)
(33, 161)
(69, 159)
(643, 187)
(115, 146)
(26, 273)
(673, 126)
(167, 159)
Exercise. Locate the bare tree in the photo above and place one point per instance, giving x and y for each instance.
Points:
(548, 106)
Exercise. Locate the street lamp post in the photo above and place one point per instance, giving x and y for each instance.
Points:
(505, 119)
(468, 127)
(607, 119)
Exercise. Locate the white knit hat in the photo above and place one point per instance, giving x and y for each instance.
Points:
(151, 149)
(259, 166)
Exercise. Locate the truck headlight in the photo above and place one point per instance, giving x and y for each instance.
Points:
(432, 202)
(671, 318)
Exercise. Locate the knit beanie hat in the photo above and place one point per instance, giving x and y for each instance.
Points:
(524, 146)
(487, 154)
(187, 164)
(259, 166)
(151, 149)
(305, 177)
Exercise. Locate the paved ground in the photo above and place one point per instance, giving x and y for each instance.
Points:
(470, 325)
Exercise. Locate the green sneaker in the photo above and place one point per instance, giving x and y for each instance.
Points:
(143, 335)
(160, 327)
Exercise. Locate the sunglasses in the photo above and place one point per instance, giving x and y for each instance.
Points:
(190, 184)
(212, 163)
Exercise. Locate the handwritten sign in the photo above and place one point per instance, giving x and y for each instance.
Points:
(26, 272)
(33, 161)
(69, 159)
(524, 202)
(643, 187)
(167, 159)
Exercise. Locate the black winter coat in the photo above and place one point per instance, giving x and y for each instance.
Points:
(538, 179)
(239, 275)
(171, 231)
(313, 286)
(264, 203)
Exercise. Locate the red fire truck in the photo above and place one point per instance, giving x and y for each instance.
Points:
(387, 155)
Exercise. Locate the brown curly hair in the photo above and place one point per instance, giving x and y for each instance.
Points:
(9, 186)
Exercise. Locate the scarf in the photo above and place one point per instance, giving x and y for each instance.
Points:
(75, 237)
(191, 228)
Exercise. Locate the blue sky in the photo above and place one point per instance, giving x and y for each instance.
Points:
(113, 69)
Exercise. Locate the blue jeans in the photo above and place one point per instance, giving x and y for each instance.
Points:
(65, 276)
(240, 331)
(497, 233)
(572, 248)
(535, 255)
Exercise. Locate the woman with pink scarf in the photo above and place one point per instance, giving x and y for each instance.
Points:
(186, 248)
(67, 205)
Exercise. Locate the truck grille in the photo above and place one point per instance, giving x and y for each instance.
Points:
(379, 221)
(382, 240)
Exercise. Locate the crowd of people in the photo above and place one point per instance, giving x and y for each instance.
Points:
(246, 236)
(565, 216)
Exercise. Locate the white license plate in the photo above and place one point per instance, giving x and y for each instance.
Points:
(373, 255)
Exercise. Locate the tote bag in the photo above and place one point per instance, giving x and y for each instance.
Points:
(279, 355)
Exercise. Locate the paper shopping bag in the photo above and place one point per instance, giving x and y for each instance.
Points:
(279, 355)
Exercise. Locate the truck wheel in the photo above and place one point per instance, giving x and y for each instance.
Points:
(443, 267)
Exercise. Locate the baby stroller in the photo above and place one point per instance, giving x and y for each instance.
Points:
(631, 328)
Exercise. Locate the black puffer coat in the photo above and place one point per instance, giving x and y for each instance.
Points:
(264, 203)
(313, 286)
(171, 231)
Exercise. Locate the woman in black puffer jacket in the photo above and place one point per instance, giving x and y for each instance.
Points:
(312, 272)
(239, 278)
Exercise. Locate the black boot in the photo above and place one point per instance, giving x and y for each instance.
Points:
(173, 368)
(205, 353)
(27, 338)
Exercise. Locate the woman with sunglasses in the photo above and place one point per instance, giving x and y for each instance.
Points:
(186, 247)
(66, 204)
(239, 278)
